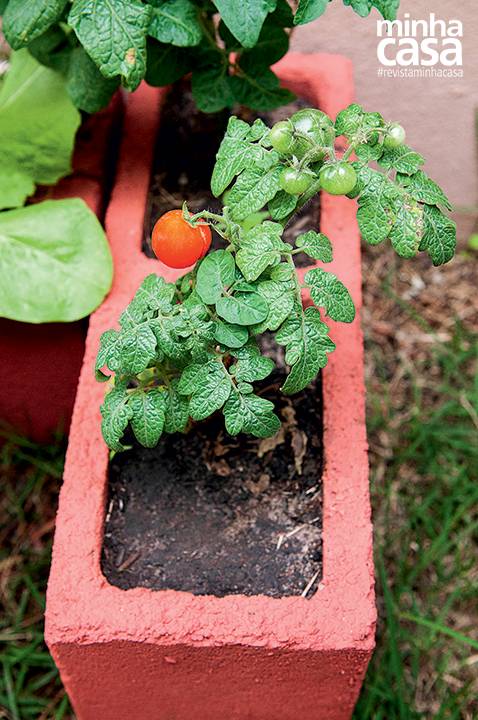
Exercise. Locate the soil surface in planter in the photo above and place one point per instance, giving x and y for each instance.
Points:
(215, 514)
(209, 513)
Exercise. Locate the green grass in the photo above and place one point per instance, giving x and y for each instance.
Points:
(30, 474)
(425, 498)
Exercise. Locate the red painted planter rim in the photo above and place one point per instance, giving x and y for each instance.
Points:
(82, 606)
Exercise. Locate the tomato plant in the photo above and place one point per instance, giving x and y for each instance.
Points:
(295, 181)
(177, 243)
(338, 179)
(192, 348)
(313, 132)
(394, 138)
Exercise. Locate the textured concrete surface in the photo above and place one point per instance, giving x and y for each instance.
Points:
(163, 655)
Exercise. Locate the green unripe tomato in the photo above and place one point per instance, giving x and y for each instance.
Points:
(295, 182)
(394, 137)
(338, 179)
(281, 137)
(318, 129)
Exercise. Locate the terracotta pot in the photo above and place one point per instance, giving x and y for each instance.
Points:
(162, 655)
(40, 363)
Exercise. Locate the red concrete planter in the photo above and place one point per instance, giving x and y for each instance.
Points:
(172, 655)
(36, 399)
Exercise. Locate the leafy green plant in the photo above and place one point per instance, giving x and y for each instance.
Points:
(99, 44)
(55, 260)
(187, 349)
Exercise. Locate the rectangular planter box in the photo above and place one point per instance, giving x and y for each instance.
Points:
(171, 655)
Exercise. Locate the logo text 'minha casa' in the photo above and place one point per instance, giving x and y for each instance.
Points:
(420, 42)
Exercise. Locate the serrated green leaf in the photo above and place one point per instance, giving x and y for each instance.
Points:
(423, 189)
(212, 394)
(192, 378)
(328, 292)
(251, 367)
(211, 87)
(168, 342)
(55, 262)
(236, 153)
(309, 10)
(439, 235)
(250, 413)
(242, 309)
(156, 294)
(24, 20)
(282, 204)
(229, 335)
(245, 18)
(116, 415)
(407, 229)
(175, 22)
(282, 272)
(280, 298)
(375, 208)
(260, 89)
(137, 347)
(113, 33)
(176, 408)
(107, 354)
(403, 159)
(165, 63)
(215, 273)
(87, 88)
(369, 153)
(307, 347)
(253, 189)
(147, 421)
(316, 245)
(261, 247)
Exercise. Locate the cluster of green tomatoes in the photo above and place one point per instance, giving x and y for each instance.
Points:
(308, 138)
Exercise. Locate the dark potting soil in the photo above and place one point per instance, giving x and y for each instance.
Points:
(215, 514)
(209, 513)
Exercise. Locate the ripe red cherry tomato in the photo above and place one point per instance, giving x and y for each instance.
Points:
(176, 243)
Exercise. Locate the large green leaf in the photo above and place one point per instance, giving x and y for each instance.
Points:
(55, 263)
(309, 10)
(38, 124)
(245, 18)
(88, 89)
(175, 22)
(113, 33)
(24, 20)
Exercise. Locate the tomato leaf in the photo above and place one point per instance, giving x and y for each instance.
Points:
(250, 413)
(148, 418)
(55, 262)
(316, 245)
(282, 204)
(388, 8)
(280, 298)
(262, 246)
(439, 235)
(176, 408)
(215, 273)
(402, 159)
(423, 189)
(307, 346)
(212, 392)
(407, 229)
(253, 189)
(242, 309)
(328, 292)
(116, 416)
(230, 335)
(374, 214)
